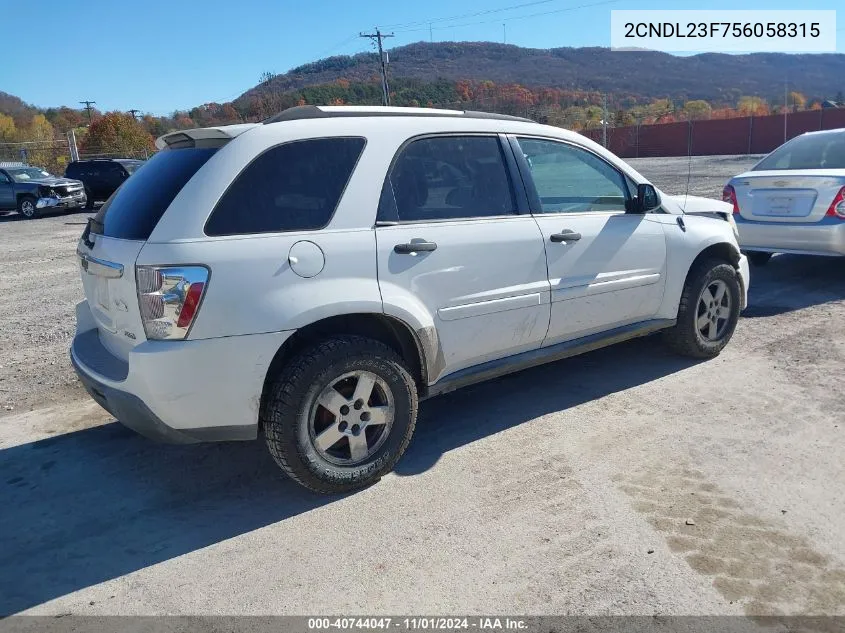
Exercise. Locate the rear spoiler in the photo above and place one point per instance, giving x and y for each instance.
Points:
(203, 137)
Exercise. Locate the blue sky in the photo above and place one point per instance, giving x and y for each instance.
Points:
(162, 55)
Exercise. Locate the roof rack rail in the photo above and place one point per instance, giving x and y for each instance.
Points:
(298, 113)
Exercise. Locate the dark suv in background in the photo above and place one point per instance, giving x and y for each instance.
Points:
(102, 176)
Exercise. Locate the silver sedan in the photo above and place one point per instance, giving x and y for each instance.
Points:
(793, 201)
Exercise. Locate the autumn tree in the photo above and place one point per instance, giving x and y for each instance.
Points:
(752, 106)
(8, 130)
(798, 101)
(119, 134)
(697, 109)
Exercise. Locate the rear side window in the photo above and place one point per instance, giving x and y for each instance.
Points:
(72, 170)
(446, 178)
(291, 187)
(132, 212)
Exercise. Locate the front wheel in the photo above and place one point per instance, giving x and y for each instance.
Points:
(340, 414)
(27, 208)
(708, 311)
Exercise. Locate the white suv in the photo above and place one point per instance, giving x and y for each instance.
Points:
(315, 275)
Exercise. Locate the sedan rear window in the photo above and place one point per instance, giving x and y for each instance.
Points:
(135, 208)
(811, 151)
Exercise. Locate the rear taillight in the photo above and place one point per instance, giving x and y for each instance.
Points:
(169, 298)
(729, 195)
(837, 207)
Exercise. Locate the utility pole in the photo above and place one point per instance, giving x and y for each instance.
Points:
(430, 33)
(378, 36)
(134, 113)
(785, 108)
(504, 33)
(604, 122)
(88, 109)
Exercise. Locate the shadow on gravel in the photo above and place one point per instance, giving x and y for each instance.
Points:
(487, 408)
(794, 282)
(86, 507)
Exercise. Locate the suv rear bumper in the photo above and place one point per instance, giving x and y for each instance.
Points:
(178, 391)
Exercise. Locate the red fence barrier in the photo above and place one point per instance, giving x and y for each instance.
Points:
(746, 135)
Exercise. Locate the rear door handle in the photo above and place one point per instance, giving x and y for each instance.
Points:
(412, 248)
(566, 235)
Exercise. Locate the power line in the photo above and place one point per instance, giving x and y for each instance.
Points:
(88, 109)
(378, 36)
(517, 17)
(470, 15)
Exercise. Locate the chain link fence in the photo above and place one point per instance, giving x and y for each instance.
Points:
(52, 155)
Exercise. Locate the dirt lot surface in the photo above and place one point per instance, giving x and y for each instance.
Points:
(626, 481)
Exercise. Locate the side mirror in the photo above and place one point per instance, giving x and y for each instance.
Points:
(647, 198)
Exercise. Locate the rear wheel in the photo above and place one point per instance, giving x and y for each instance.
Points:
(759, 258)
(708, 311)
(27, 208)
(340, 414)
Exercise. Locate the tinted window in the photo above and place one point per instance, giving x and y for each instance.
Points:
(72, 170)
(448, 177)
(292, 187)
(572, 180)
(812, 151)
(132, 212)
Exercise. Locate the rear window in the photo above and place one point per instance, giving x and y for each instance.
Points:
(291, 187)
(812, 151)
(132, 211)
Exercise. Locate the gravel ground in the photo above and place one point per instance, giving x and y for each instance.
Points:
(626, 481)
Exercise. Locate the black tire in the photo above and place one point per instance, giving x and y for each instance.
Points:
(759, 258)
(685, 337)
(27, 208)
(290, 404)
(89, 203)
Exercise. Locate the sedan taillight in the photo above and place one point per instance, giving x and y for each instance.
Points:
(169, 298)
(837, 207)
(729, 195)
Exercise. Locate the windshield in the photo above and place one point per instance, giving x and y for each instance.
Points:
(810, 151)
(22, 174)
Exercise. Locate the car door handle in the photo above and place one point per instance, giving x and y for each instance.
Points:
(415, 247)
(566, 235)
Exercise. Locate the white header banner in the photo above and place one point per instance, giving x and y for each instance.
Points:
(719, 31)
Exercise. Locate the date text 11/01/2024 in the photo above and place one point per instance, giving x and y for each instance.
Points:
(722, 29)
(418, 623)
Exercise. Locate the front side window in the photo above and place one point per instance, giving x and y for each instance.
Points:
(446, 178)
(291, 187)
(569, 179)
